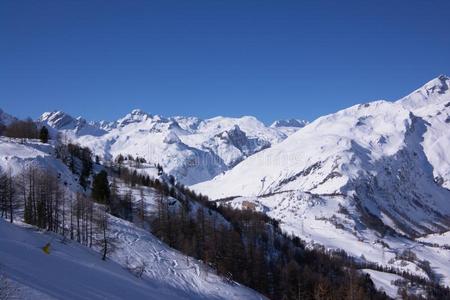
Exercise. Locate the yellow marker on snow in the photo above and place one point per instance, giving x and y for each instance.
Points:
(46, 248)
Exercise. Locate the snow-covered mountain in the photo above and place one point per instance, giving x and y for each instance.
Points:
(358, 179)
(289, 123)
(289, 126)
(191, 149)
(60, 121)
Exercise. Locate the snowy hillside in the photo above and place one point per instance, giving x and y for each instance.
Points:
(168, 274)
(15, 156)
(191, 149)
(40, 276)
(358, 179)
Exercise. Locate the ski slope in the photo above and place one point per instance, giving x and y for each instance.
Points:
(72, 271)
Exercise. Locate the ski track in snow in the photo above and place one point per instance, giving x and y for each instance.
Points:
(41, 276)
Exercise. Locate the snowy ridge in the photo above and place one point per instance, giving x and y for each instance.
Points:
(432, 104)
(59, 120)
(289, 126)
(433, 92)
(191, 149)
(289, 123)
(364, 174)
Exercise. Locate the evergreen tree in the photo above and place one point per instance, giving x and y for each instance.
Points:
(160, 169)
(100, 187)
(43, 134)
(120, 159)
(83, 182)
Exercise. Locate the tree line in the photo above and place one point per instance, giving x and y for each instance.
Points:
(25, 129)
(40, 198)
(248, 247)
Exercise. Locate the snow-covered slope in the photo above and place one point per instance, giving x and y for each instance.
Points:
(432, 104)
(191, 149)
(384, 282)
(370, 152)
(73, 271)
(357, 176)
(45, 276)
(16, 156)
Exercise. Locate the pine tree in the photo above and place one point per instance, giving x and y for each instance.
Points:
(160, 169)
(100, 188)
(43, 134)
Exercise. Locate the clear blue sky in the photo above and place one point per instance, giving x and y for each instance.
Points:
(271, 59)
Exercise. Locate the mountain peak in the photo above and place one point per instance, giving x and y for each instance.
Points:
(138, 112)
(136, 115)
(443, 77)
(58, 119)
(438, 85)
(289, 123)
(433, 92)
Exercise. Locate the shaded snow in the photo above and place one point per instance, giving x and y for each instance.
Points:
(383, 282)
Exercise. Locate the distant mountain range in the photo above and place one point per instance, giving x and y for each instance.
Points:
(191, 149)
